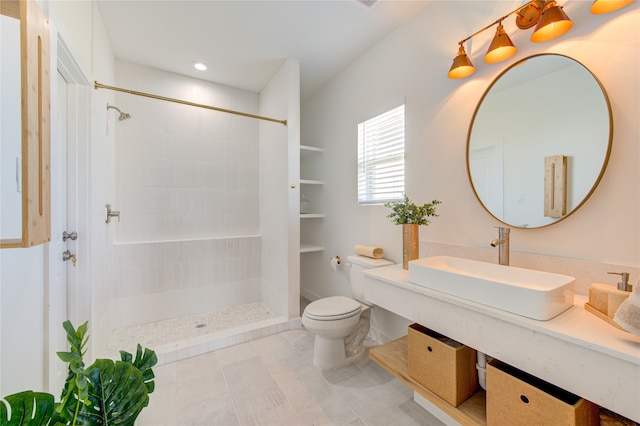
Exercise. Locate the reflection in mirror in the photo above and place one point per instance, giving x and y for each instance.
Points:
(10, 131)
(539, 141)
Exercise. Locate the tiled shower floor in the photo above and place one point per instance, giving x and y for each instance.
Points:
(189, 336)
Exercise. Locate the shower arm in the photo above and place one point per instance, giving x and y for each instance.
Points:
(123, 115)
(113, 107)
(179, 101)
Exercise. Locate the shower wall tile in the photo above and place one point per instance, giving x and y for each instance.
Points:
(183, 172)
(213, 272)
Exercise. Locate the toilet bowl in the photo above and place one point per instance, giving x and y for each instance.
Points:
(340, 323)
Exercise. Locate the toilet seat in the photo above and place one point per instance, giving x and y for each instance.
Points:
(332, 308)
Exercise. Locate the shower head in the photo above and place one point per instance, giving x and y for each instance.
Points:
(123, 115)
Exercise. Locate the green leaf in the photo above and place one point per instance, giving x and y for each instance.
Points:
(117, 394)
(77, 338)
(106, 393)
(69, 356)
(76, 388)
(27, 408)
(407, 212)
(144, 361)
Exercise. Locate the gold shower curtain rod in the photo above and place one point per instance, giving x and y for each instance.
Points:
(179, 101)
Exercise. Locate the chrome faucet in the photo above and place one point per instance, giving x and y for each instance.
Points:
(502, 242)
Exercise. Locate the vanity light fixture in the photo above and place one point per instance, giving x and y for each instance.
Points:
(462, 66)
(199, 66)
(501, 47)
(552, 24)
(549, 19)
(605, 6)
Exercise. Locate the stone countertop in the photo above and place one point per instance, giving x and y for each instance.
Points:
(574, 325)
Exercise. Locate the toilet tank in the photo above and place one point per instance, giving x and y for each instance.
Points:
(357, 264)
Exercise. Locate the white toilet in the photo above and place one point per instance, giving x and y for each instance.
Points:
(340, 323)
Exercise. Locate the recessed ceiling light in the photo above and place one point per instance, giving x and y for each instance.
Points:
(199, 66)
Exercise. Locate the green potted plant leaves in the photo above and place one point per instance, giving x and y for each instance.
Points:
(105, 393)
(406, 212)
(411, 216)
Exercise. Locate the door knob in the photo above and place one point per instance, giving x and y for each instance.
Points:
(69, 236)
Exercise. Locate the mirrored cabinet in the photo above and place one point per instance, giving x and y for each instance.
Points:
(25, 140)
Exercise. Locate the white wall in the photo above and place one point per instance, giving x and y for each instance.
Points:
(279, 201)
(413, 63)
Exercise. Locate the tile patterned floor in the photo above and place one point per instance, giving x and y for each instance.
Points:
(173, 330)
(271, 381)
(185, 337)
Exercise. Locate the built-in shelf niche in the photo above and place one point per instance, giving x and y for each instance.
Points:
(311, 215)
(310, 248)
(311, 182)
(311, 186)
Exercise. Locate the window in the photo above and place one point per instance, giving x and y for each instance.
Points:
(381, 158)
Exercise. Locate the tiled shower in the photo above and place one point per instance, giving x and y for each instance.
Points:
(188, 242)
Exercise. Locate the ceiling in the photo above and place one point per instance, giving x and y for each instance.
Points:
(244, 43)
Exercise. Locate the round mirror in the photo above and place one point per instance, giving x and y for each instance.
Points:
(539, 141)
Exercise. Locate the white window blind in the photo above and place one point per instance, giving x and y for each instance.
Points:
(381, 158)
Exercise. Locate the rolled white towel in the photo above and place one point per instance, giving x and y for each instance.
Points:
(369, 251)
(628, 314)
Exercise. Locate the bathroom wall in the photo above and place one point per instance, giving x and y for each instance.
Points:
(412, 64)
(280, 167)
(101, 149)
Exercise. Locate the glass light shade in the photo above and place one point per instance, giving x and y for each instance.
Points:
(553, 23)
(462, 66)
(605, 6)
(501, 47)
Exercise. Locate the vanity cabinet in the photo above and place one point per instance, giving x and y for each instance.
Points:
(33, 173)
(311, 197)
(512, 397)
(575, 350)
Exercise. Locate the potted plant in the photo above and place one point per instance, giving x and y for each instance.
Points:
(105, 393)
(411, 216)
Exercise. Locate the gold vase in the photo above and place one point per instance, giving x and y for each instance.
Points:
(410, 244)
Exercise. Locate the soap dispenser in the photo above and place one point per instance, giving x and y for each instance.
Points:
(605, 299)
(619, 295)
(623, 285)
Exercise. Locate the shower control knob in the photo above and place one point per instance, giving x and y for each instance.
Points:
(110, 213)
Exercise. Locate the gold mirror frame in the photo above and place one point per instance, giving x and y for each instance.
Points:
(35, 119)
(605, 160)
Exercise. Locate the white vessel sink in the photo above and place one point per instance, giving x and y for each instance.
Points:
(533, 294)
